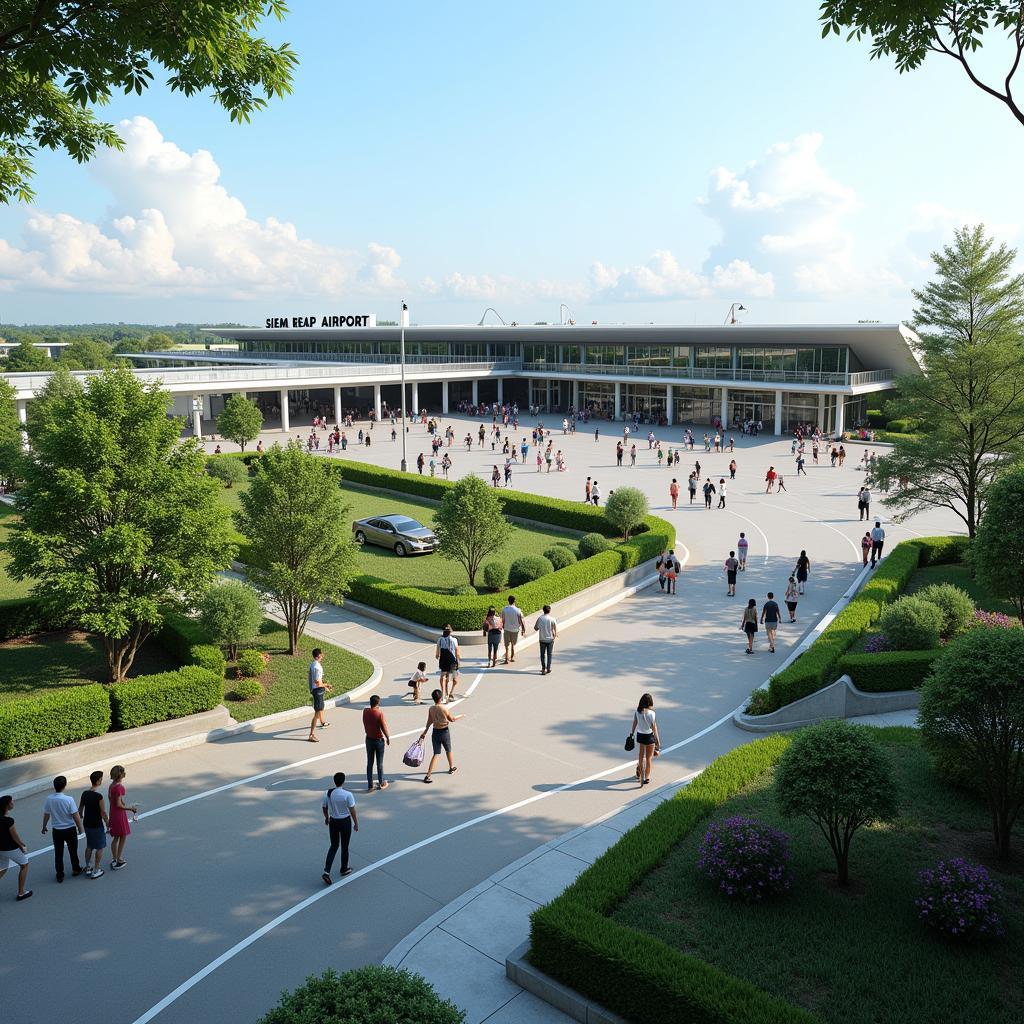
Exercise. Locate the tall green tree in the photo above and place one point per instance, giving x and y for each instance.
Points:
(469, 524)
(59, 59)
(970, 320)
(116, 517)
(626, 509)
(997, 554)
(87, 354)
(27, 358)
(300, 551)
(240, 420)
(10, 435)
(910, 30)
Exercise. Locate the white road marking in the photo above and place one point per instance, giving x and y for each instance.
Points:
(828, 526)
(274, 771)
(315, 897)
(756, 527)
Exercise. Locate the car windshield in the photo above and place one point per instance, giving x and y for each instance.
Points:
(403, 523)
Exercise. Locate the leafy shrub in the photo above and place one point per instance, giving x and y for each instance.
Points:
(759, 703)
(887, 671)
(904, 425)
(837, 776)
(368, 995)
(960, 900)
(209, 657)
(45, 720)
(746, 858)
(179, 634)
(228, 471)
(912, 624)
(626, 509)
(950, 550)
(560, 556)
(955, 604)
(157, 698)
(247, 689)
(251, 663)
(495, 575)
(593, 544)
(464, 590)
(21, 616)
(527, 568)
(230, 611)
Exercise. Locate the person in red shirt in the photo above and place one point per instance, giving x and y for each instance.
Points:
(377, 736)
(770, 479)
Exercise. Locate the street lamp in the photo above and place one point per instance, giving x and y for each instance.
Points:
(736, 307)
(401, 356)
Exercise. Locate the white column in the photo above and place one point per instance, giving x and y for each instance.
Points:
(376, 400)
(840, 415)
(415, 398)
(285, 416)
(821, 411)
(724, 413)
(476, 392)
(337, 405)
(670, 402)
(501, 391)
(576, 395)
(22, 407)
(618, 400)
(778, 412)
(197, 416)
(444, 398)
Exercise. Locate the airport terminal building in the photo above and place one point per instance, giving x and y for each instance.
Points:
(780, 374)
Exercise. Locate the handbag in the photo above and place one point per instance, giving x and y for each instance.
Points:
(630, 742)
(413, 757)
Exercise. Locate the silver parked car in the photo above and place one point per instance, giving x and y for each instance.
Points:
(401, 534)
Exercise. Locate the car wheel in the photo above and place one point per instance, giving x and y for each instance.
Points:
(360, 537)
(400, 550)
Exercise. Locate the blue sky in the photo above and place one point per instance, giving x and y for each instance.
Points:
(644, 162)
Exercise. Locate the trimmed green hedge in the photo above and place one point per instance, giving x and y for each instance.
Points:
(816, 667)
(574, 941)
(887, 670)
(156, 698)
(943, 550)
(53, 719)
(20, 616)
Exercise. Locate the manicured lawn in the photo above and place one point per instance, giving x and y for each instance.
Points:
(9, 587)
(52, 661)
(431, 572)
(960, 576)
(285, 681)
(861, 956)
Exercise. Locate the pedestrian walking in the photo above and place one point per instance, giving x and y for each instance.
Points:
(93, 811)
(691, 485)
(732, 469)
(742, 547)
(648, 740)
(673, 491)
(595, 493)
(512, 624)
(791, 597)
(803, 567)
(877, 541)
(864, 503)
(865, 545)
(770, 615)
(672, 570)
(780, 482)
(67, 823)
(732, 565)
(492, 630)
(340, 817)
(769, 478)
(377, 737)
(546, 629)
(317, 689)
(12, 850)
(749, 624)
(120, 830)
(709, 492)
(417, 679)
(446, 653)
(632, 456)
(495, 477)
(439, 719)
(662, 566)
(721, 492)
(800, 465)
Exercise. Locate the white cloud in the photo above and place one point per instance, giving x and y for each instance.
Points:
(173, 229)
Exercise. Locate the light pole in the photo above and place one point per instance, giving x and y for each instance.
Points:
(736, 307)
(401, 356)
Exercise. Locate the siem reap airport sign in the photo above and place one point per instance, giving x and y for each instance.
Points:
(333, 320)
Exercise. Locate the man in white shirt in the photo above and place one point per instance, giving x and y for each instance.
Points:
(339, 807)
(512, 618)
(62, 811)
(317, 689)
(547, 631)
(877, 540)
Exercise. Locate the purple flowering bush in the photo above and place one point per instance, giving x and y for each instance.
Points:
(993, 620)
(746, 858)
(959, 899)
(876, 643)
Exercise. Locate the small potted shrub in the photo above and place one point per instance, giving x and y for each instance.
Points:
(745, 858)
(960, 900)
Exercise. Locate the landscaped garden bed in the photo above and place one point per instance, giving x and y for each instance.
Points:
(645, 918)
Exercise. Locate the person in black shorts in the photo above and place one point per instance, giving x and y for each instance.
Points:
(12, 849)
(770, 616)
(732, 565)
(92, 808)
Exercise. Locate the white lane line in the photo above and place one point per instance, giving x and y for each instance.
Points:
(756, 527)
(274, 771)
(245, 943)
(828, 526)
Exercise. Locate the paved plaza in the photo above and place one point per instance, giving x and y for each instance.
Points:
(221, 905)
